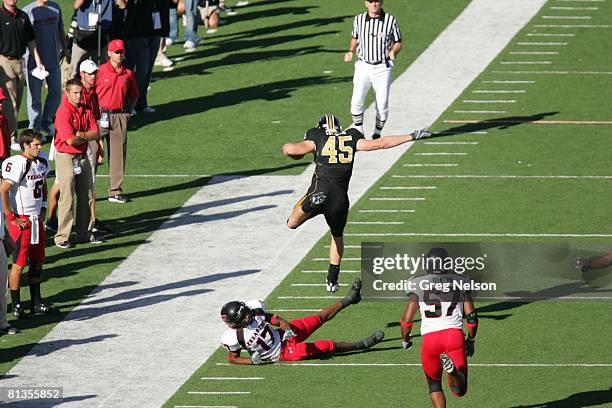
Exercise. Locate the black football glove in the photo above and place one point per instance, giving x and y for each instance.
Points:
(469, 347)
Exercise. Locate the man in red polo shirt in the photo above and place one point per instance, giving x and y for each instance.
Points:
(75, 127)
(117, 91)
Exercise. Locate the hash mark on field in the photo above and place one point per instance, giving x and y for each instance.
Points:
(397, 198)
(478, 111)
(567, 17)
(493, 365)
(508, 82)
(219, 392)
(315, 284)
(573, 8)
(572, 25)
(441, 154)
(451, 143)
(541, 43)
(534, 53)
(556, 72)
(308, 297)
(489, 101)
(526, 62)
(410, 188)
(431, 165)
(551, 35)
(386, 211)
(231, 378)
(475, 132)
(325, 271)
(487, 91)
(562, 177)
(376, 222)
(157, 175)
(536, 122)
(295, 310)
(492, 234)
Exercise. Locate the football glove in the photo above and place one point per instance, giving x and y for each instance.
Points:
(289, 334)
(256, 358)
(420, 134)
(407, 345)
(469, 347)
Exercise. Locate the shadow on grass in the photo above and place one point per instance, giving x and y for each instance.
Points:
(499, 123)
(41, 403)
(578, 400)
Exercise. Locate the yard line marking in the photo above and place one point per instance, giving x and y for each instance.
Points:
(548, 365)
(219, 392)
(451, 143)
(205, 406)
(534, 52)
(344, 259)
(492, 234)
(550, 35)
(308, 297)
(489, 101)
(315, 284)
(562, 177)
(584, 1)
(499, 91)
(431, 165)
(386, 211)
(376, 222)
(539, 297)
(539, 122)
(526, 62)
(573, 8)
(572, 25)
(508, 82)
(476, 132)
(231, 378)
(158, 175)
(479, 111)
(567, 17)
(441, 154)
(410, 188)
(556, 72)
(325, 271)
(397, 198)
(295, 310)
(541, 43)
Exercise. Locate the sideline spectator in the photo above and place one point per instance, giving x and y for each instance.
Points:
(90, 13)
(192, 18)
(46, 18)
(24, 201)
(162, 59)
(117, 91)
(173, 21)
(76, 127)
(146, 23)
(5, 327)
(16, 35)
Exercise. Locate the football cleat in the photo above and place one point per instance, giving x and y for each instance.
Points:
(317, 199)
(447, 363)
(583, 264)
(332, 286)
(372, 340)
(420, 134)
(43, 308)
(354, 295)
(18, 311)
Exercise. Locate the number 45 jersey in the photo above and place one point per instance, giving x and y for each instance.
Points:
(334, 154)
(27, 178)
(259, 336)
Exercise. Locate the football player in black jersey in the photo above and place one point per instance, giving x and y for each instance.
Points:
(334, 152)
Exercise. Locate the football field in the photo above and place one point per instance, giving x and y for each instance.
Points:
(522, 155)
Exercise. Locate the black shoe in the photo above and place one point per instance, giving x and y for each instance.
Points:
(43, 308)
(92, 239)
(227, 10)
(99, 226)
(65, 245)
(51, 224)
(9, 330)
(317, 199)
(447, 363)
(119, 198)
(372, 340)
(18, 311)
(354, 295)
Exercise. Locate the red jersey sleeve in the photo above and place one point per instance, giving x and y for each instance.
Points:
(132, 92)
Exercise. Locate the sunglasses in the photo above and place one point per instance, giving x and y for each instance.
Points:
(118, 52)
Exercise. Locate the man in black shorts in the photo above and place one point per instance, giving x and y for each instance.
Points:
(334, 150)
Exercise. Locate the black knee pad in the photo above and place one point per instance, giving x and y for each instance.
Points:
(434, 385)
(459, 391)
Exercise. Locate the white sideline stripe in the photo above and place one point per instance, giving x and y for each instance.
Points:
(315, 284)
(344, 259)
(508, 82)
(295, 310)
(441, 154)
(562, 177)
(534, 53)
(476, 132)
(397, 198)
(451, 143)
(376, 222)
(325, 271)
(526, 62)
(541, 43)
(546, 365)
(432, 165)
(556, 72)
(492, 234)
(573, 8)
(489, 101)
(572, 25)
(500, 91)
(567, 17)
(231, 378)
(479, 111)
(550, 35)
(410, 188)
(157, 175)
(219, 392)
(386, 211)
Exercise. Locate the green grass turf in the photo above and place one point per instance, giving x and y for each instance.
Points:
(226, 108)
(548, 332)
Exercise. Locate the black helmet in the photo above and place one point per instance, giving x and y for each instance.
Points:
(330, 123)
(236, 314)
(435, 260)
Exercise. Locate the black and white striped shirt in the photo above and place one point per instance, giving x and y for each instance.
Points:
(375, 36)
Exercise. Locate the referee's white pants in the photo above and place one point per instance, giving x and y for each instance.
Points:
(376, 76)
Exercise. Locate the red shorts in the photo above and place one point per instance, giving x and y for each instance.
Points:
(23, 250)
(449, 341)
(295, 349)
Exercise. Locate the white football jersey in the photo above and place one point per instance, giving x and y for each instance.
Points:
(259, 336)
(27, 178)
(441, 306)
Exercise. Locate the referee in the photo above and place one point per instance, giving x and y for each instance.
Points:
(377, 39)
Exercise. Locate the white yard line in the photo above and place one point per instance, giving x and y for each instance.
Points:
(441, 154)
(430, 165)
(487, 365)
(409, 188)
(501, 91)
(232, 378)
(480, 111)
(476, 234)
(534, 53)
(159, 175)
(489, 101)
(567, 17)
(325, 271)
(506, 176)
(451, 143)
(572, 25)
(230, 241)
(507, 81)
(550, 35)
(541, 43)
(397, 198)
(475, 132)
(376, 222)
(555, 72)
(526, 62)
(314, 284)
(386, 211)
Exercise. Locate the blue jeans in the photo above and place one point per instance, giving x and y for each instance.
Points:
(173, 25)
(193, 17)
(141, 54)
(42, 118)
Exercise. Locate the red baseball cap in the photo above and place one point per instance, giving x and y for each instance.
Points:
(116, 45)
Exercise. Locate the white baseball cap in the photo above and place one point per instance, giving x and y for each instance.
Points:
(88, 66)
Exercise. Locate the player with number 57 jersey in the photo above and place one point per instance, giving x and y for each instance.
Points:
(334, 154)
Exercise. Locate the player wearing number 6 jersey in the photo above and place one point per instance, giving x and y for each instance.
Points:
(24, 200)
(334, 153)
(443, 307)
(269, 338)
